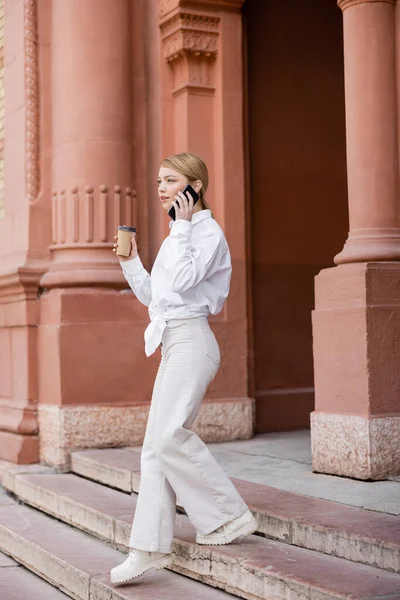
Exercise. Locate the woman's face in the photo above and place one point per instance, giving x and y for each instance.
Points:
(170, 182)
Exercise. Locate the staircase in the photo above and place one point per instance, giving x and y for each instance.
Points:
(71, 529)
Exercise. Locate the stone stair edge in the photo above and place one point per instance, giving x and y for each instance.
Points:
(73, 580)
(358, 548)
(259, 487)
(240, 569)
(310, 527)
(30, 585)
(9, 474)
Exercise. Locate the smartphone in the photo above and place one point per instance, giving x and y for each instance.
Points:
(194, 195)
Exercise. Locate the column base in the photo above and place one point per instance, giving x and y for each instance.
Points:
(19, 449)
(356, 342)
(19, 319)
(355, 446)
(371, 245)
(65, 429)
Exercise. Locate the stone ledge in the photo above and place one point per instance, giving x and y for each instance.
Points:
(348, 532)
(6, 561)
(80, 565)
(118, 467)
(153, 586)
(65, 429)
(254, 568)
(344, 531)
(85, 504)
(354, 446)
(10, 471)
(34, 541)
(5, 465)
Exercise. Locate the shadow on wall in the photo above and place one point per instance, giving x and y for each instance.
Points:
(298, 190)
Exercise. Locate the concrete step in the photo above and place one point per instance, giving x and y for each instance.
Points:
(16, 583)
(79, 564)
(254, 568)
(362, 536)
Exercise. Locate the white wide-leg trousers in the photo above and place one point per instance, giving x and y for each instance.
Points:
(174, 461)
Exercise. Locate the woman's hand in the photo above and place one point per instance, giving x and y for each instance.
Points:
(133, 252)
(185, 209)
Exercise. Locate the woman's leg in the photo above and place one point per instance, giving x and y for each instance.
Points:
(154, 521)
(205, 491)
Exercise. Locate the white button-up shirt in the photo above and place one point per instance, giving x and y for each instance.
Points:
(190, 277)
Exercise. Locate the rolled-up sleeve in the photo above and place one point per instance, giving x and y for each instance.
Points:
(138, 278)
(189, 263)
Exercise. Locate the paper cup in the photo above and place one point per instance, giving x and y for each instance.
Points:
(124, 240)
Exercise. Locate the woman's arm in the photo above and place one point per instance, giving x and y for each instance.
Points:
(189, 264)
(138, 278)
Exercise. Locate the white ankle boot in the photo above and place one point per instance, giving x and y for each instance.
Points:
(239, 527)
(137, 563)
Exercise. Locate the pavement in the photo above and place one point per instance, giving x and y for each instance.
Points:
(283, 461)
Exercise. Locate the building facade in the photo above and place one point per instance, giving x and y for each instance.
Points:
(293, 105)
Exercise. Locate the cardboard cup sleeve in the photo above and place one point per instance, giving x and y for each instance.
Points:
(124, 240)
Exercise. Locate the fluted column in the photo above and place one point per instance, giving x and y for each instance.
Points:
(371, 124)
(356, 322)
(92, 138)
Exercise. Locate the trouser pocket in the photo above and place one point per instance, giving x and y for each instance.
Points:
(212, 348)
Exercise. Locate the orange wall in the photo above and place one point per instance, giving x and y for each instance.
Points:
(297, 186)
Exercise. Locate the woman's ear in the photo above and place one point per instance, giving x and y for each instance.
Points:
(197, 185)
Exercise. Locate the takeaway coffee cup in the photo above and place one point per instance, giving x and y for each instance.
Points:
(124, 240)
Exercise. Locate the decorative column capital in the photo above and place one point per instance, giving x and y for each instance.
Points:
(344, 4)
(190, 43)
(169, 6)
(186, 33)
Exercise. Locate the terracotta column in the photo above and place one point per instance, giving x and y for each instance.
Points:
(356, 322)
(371, 121)
(92, 139)
(91, 331)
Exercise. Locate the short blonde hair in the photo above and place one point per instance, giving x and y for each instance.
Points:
(192, 167)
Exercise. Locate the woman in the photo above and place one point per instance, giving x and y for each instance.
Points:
(189, 281)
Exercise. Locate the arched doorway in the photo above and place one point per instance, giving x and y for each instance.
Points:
(296, 188)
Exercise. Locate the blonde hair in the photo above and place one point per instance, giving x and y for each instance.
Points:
(192, 167)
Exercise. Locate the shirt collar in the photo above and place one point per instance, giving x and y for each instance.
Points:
(196, 217)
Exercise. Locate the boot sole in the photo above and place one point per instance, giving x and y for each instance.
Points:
(160, 564)
(244, 531)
